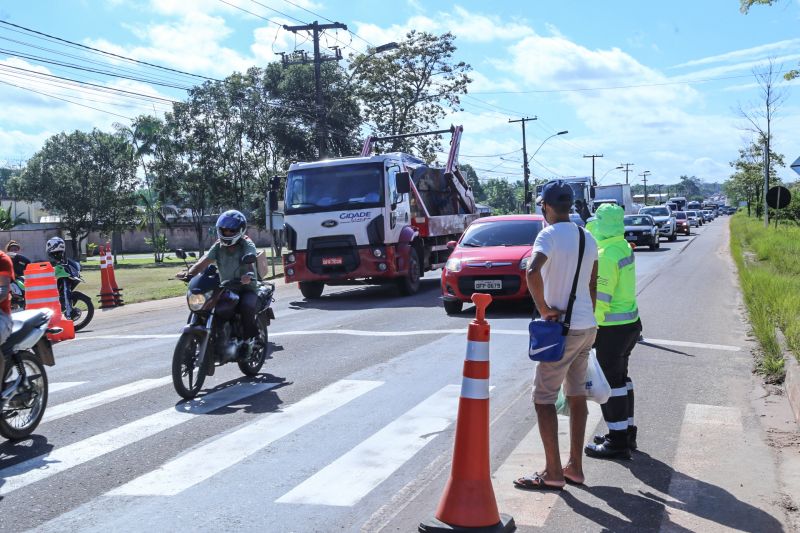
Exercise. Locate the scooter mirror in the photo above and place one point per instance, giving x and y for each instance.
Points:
(180, 254)
(248, 259)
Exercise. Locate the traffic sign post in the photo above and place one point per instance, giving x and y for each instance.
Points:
(796, 165)
(778, 197)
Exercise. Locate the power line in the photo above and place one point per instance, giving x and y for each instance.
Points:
(278, 12)
(111, 54)
(65, 100)
(328, 20)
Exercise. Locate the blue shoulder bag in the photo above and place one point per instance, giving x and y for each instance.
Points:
(547, 337)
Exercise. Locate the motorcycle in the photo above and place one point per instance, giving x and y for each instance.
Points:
(213, 333)
(75, 305)
(23, 389)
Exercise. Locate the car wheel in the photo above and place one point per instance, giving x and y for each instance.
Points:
(453, 307)
(673, 237)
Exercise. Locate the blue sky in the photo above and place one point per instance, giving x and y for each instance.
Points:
(555, 60)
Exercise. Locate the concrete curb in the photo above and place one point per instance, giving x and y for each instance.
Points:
(792, 380)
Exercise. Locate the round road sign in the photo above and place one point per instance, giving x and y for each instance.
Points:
(778, 197)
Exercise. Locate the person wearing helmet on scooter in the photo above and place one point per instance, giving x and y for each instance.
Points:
(55, 248)
(13, 249)
(232, 244)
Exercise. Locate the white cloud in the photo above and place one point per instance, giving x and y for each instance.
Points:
(756, 52)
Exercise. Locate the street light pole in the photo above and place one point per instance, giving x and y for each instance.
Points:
(644, 180)
(526, 171)
(527, 161)
(606, 174)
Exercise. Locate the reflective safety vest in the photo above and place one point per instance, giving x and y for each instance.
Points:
(616, 283)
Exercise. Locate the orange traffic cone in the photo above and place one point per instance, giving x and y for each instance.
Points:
(112, 279)
(468, 502)
(41, 291)
(107, 300)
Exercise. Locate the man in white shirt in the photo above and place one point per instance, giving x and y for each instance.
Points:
(550, 277)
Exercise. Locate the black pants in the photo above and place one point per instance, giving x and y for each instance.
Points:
(248, 305)
(614, 345)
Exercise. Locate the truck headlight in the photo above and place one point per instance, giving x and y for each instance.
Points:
(525, 263)
(290, 258)
(197, 301)
(453, 265)
(377, 252)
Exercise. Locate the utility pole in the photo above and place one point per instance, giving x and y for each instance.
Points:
(526, 171)
(627, 169)
(594, 182)
(644, 180)
(316, 30)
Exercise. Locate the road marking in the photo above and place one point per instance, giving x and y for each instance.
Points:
(686, 344)
(355, 474)
(102, 398)
(717, 462)
(61, 459)
(207, 460)
(133, 337)
(63, 385)
(527, 508)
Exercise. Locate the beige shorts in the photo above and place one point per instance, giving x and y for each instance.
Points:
(570, 370)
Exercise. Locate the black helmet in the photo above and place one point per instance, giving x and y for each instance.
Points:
(231, 226)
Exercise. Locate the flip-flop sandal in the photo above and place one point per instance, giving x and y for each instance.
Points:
(535, 482)
(571, 481)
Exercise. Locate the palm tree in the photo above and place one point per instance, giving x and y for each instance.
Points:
(7, 221)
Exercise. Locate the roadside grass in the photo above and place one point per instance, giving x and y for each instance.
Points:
(140, 279)
(768, 261)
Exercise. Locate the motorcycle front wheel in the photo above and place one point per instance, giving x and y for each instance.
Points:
(23, 411)
(188, 370)
(82, 310)
(252, 365)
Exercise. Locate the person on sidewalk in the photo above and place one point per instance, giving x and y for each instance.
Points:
(550, 278)
(618, 331)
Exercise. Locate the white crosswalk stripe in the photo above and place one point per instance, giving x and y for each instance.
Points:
(208, 460)
(63, 385)
(351, 477)
(44, 466)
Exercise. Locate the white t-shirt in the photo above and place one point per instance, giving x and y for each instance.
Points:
(559, 242)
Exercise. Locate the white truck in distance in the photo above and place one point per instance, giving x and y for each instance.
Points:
(375, 218)
(582, 192)
(619, 194)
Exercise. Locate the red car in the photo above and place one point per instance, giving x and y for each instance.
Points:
(490, 257)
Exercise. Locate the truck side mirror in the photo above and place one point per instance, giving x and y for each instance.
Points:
(273, 200)
(403, 181)
(592, 192)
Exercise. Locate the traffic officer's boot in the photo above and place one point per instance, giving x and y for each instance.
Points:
(615, 413)
(599, 439)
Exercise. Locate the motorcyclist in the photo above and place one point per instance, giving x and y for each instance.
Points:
(227, 252)
(55, 248)
(13, 250)
(6, 277)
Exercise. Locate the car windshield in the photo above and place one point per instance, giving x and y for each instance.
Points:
(502, 233)
(334, 188)
(638, 220)
(691, 213)
(656, 211)
(680, 215)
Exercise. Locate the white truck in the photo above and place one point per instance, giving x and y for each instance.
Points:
(619, 194)
(375, 218)
(583, 194)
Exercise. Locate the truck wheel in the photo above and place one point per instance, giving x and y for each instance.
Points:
(409, 284)
(311, 290)
(453, 307)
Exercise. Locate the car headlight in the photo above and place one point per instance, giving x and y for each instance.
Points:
(197, 301)
(453, 265)
(525, 263)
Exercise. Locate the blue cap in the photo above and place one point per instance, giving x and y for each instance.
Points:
(557, 192)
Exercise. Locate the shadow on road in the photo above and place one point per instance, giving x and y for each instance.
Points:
(647, 511)
(265, 402)
(361, 297)
(659, 347)
(12, 453)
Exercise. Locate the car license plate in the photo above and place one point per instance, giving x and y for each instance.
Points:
(331, 261)
(488, 284)
(631, 237)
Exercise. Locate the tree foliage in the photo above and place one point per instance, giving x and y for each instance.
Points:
(411, 88)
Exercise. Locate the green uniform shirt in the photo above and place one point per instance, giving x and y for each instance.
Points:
(228, 259)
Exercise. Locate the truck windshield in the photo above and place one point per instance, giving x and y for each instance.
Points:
(334, 188)
(502, 233)
(655, 211)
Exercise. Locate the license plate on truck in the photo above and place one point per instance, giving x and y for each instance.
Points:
(331, 261)
(488, 284)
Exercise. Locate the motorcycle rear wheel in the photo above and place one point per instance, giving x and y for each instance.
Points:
(188, 371)
(83, 307)
(21, 414)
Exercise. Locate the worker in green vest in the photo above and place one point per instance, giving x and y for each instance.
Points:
(618, 331)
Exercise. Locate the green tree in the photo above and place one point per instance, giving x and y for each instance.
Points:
(747, 182)
(474, 182)
(84, 178)
(410, 89)
(503, 196)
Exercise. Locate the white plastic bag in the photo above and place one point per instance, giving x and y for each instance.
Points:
(597, 387)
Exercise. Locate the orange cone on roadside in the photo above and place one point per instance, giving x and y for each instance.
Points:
(112, 280)
(468, 502)
(107, 300)
(41, 291)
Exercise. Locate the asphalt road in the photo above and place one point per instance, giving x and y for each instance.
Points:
(350, 428)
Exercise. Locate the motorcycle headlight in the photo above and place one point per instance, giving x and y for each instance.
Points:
(453, 265)
(525, 263)
(197, 301)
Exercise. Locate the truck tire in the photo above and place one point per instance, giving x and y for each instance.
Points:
(409, 284)
(311, 290)
(453, 307)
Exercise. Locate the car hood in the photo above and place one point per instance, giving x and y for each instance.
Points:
(492, 253)
(661, 219)
(638, 228)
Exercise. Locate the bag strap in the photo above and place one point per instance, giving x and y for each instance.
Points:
(568, 316)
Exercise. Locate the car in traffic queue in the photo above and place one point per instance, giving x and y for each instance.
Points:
(695, 219)
(682, 223)
(665, 222)
(490, 257)
(710, 215)
(642, 230)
